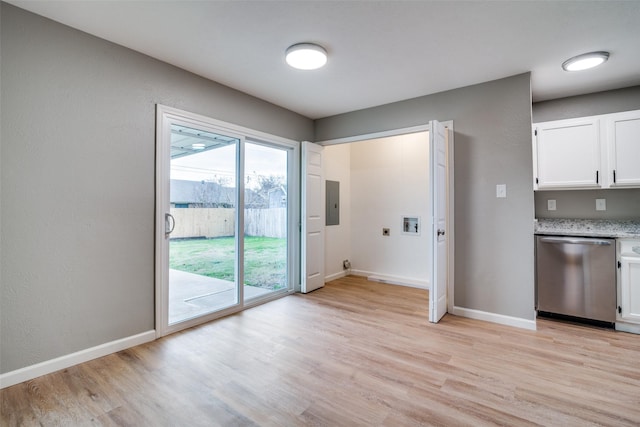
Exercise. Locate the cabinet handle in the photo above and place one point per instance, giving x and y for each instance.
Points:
(597, 176)
(614, 176)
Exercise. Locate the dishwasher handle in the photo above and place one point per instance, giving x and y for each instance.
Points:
(575, 241)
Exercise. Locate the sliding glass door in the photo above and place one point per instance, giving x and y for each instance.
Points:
(203, 243)
(224, 219)
(265, 220)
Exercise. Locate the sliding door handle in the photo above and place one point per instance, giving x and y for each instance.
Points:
(169, 224)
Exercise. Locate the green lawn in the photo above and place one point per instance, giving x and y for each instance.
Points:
(265, 259)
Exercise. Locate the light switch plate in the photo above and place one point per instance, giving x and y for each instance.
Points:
(501, 191)
(601, 204)
(551, 205)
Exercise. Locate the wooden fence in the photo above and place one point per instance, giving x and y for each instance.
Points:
(220, 222)
(270, 222)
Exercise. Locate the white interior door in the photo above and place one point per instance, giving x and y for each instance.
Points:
(438, 171)
(312, 218)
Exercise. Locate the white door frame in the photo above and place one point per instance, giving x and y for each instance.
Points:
(450, 190)
(164, 117)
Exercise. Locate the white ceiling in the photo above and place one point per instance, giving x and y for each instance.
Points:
(379, 51)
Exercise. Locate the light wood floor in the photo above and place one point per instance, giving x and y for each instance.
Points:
(353, 353)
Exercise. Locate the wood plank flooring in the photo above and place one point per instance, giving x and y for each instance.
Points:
(354, 353)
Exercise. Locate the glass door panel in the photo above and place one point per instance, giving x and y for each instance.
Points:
(265, 220)
(203, 199)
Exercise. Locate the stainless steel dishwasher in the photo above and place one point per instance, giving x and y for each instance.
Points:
(576, 277)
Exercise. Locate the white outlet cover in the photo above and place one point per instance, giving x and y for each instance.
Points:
(501, 191)
(551, 205)
(601, 204)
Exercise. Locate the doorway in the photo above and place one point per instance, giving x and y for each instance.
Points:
(384, 184)
(394, 232)
(225, 215)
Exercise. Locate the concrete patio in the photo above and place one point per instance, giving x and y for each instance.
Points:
(192, 295)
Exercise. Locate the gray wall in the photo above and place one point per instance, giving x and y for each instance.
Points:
(1, 97)
(77, 182)
(494, 237)
(592, 104)
(621, 203)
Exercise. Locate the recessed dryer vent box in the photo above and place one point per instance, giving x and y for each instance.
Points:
(411, 225)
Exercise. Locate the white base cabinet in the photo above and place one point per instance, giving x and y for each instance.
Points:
(593, 152)
(628, 316)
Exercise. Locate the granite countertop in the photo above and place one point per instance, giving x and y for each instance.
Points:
(587, 227)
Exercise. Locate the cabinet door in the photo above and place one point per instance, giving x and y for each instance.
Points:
(568, 154)
(624, 149)
(630, 288)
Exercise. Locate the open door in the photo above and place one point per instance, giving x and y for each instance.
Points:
(438, 171)
(312, 218)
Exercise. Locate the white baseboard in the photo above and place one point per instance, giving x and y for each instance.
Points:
(392, 280)
(628, 327)
(336, 276)
(62, 362)
(495, 318)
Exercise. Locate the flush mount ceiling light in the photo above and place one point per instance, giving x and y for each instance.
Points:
(585, 61)
(306, 56)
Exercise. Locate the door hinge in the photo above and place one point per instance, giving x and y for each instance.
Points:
(619, 264)
(536, 180)
(619, 310)
(535, 132)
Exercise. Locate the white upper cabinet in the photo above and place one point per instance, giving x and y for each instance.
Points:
(568, 154)
(624, 149)
(587, 153)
